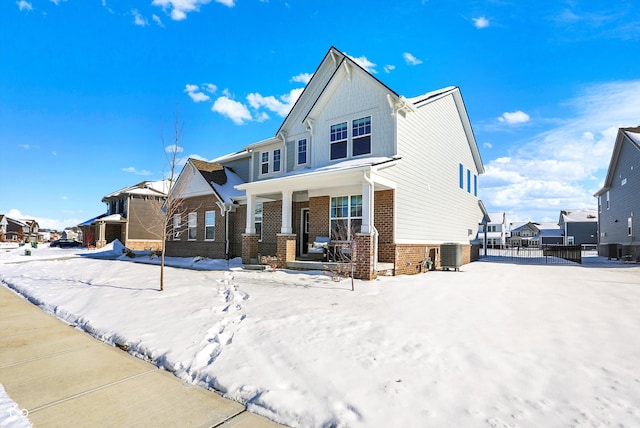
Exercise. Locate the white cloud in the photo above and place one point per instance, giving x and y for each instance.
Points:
(174, 148)
(364, 63)
(514, 117)
(562, 167)
(234, 110)
(180, 8)
(28, 146)
(45, 223)
(480, 22)
(57, 2)
(210, 87)
(487, 145)
(192, 91)
(410, 59)
(24, 5)
(280, 106)
(157, 20)
(302, 78)
(133, 170)
(138, 19)
(389, 68)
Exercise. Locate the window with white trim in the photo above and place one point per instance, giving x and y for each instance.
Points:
(339, 141)
(177, 218)
(264, 163)
(209, 225)
(276, 160)
(346, 217)
(192, 226)
(361, 136)
(630, 226)
(302, 151)
(608, 203)
(257, 220)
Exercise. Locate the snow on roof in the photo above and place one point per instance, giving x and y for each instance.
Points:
(633, 135)
(496, 217)
(546, 226)
(159, 187)
(221, 178)
(580, 215)
(429, 95)
(231, 156)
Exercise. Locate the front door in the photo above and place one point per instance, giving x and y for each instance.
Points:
(304, 231)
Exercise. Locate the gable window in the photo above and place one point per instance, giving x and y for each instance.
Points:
(302, 151)
(192, 225)
(630, 226)
(339, 141)
(276, 160)
(176, 226)
(209, 225)
(257, 220)
(361, 135)
(346, 217)
(264, 162)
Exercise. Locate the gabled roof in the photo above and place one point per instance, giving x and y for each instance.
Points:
(497, 217)
(150, 188)
(221, 179)
(632, 135)
(587, 215)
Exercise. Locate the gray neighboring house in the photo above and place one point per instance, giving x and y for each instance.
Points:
(619, 200)
(534, 235)
(580, 227)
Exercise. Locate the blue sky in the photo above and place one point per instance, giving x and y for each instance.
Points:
(89, 88)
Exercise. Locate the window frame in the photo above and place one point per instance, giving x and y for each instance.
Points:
(277, 152)
(264, 161)
(258, 220)
(304, 141)
(339, 136)
(192, 226)
(208, 226)
(356, 129)
(629, 226)
(177, 225)
(462, 176)
(351, 209)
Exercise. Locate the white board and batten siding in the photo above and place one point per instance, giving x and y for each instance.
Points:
(352, 98)
(430, 205)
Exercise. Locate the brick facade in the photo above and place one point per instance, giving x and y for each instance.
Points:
(364, 256)
(319, 222)
(383, 221)
(286, 248)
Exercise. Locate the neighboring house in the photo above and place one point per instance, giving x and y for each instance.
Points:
(579, 227)
(356, 162)
(534, 235)
(3, 227)
(14, 230)
(619, 199)
(133, 217)
(496, 231)
(31, 231)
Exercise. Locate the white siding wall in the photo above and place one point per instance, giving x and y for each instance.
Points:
(430, 206)
(349, 100)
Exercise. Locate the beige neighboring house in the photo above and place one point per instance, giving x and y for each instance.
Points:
(132, 217)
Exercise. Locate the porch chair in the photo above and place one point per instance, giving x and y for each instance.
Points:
(318, 250)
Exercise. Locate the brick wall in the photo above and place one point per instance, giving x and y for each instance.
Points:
(383, 221)
(237, 225)
(318, 217)
(271, 226)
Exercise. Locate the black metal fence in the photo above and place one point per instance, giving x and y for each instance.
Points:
(546, 254)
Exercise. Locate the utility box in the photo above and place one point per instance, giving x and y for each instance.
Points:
(451, 255)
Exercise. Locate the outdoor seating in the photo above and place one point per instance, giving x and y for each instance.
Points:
(319, 248)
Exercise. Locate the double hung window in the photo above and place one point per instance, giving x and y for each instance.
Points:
(339, 141)
(346, 217)
(192, 226)
(264, 162)
(302, 151)
(209, 225)
(176, 226)
(361, 134)
(276, 160)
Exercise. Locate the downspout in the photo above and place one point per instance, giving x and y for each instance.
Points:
(224, 209)
(375, 231)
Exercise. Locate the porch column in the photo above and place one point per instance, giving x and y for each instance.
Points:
(250, 226)
(287, 197)
(101, 240)
(367, 207)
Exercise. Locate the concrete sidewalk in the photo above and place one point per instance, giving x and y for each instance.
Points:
(64, 377)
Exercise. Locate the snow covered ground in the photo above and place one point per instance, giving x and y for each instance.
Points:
(497, 344)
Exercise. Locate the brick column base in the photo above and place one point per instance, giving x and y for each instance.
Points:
(364, 256)
(249, 247)
(286, 250)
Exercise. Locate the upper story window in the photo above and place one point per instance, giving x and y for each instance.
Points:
(276, 160)
(302, 151)
(461, 176)
(361, 134)
(608, 203)
(264, 163)
(630, 226)
(192, 226)
(339, 141)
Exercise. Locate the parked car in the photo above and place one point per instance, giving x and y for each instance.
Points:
(65, 243)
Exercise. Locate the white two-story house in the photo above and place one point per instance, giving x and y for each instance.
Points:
(354, 161)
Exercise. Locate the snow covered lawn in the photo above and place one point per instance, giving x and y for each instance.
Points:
(499, 345)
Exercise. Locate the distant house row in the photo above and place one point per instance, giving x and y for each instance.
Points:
(574, 227)
(24, 230)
